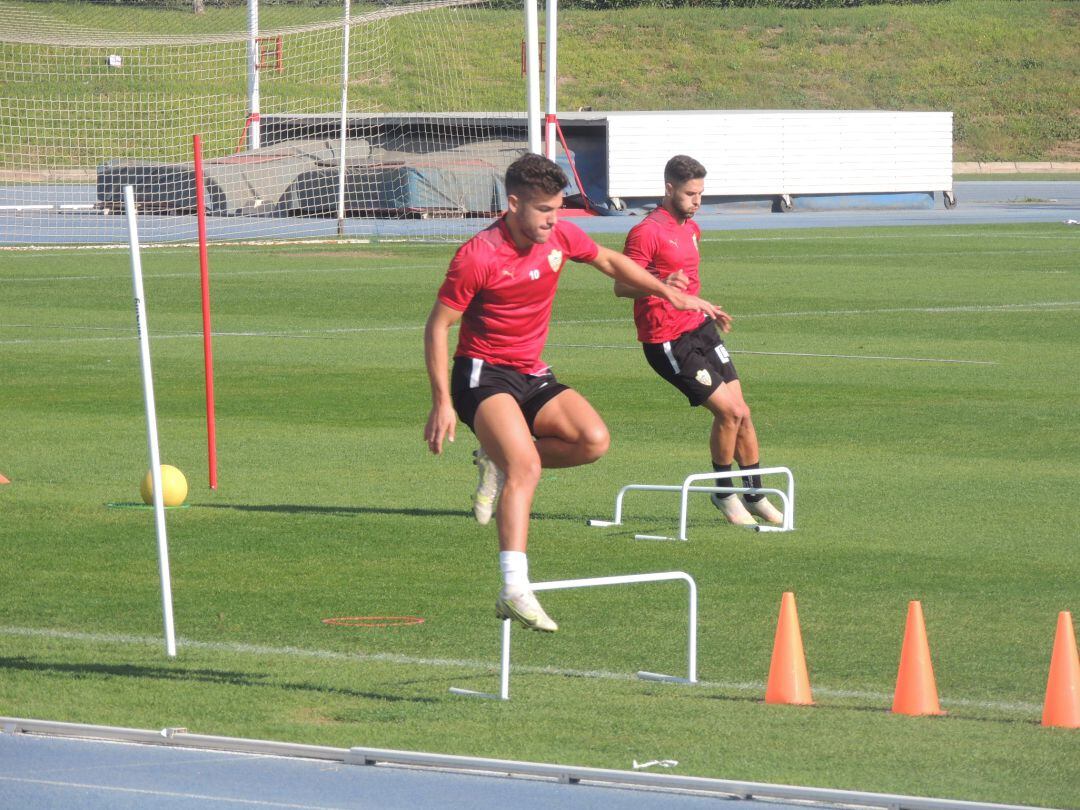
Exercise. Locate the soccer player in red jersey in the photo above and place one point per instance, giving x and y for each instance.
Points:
(500, 286)
(683, 346)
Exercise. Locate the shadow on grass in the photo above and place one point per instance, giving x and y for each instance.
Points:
(878, 710)
(308, 509)
(210, 676)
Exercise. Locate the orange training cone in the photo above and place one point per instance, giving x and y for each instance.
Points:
(1062, 707)
(916, 691)
(788, 681)
(3, 480)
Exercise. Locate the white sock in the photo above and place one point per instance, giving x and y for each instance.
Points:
(515, 569)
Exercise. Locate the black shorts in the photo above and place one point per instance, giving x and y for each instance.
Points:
(472, 381)
(696, 362)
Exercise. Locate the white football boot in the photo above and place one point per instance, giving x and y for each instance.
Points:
(520, 605)
(766, 511)
(733, 509)
(488, 488)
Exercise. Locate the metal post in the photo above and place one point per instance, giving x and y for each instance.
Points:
(552, 33)
(532, 74)
(344, 119)
(253, 74)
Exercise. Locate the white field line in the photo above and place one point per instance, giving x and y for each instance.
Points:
(896, 234)
(875, 357)
(800, 354)
(183, 247)
(1037, 306)
(301, 334)
(202, 797)
(912, 254)
(217, 276)
(1034, 306)
(412, 661)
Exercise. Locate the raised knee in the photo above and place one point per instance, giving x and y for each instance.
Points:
(596, 441)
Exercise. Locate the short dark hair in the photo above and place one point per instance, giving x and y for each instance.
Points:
(682, 168)
(532, 172)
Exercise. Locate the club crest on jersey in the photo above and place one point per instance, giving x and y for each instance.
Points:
(703, 377)
(555, 260)
(694, 237)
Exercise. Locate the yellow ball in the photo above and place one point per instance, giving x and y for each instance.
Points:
(173, 486)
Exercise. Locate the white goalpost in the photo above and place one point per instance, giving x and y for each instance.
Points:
(300, 112)
(546, 144)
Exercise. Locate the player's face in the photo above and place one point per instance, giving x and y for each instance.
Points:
(686, 197)
(533, 215)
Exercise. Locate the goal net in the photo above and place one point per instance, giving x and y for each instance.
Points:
(314, 121)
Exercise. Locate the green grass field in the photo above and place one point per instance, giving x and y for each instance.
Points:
(921, 383)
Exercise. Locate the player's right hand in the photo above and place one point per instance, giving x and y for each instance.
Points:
(441, 425)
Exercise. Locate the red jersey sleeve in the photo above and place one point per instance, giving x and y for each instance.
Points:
(579, 246)
(466, 276)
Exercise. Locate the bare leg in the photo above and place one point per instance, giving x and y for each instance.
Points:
(570, 432)
(733, 436)
(504, 435)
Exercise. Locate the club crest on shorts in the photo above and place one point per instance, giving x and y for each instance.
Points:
(555, 260)
(703, 377)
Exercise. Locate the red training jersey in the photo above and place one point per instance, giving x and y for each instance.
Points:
(506, 294)
(662, 246)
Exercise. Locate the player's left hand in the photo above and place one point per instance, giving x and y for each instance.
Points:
(723, 321)
(693, 303)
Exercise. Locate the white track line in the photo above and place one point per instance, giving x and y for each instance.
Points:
(406, 660)
(169, 794)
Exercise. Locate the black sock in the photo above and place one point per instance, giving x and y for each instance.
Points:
(722, 482)
(751, 481)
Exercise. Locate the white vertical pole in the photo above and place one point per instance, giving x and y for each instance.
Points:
(504, 678)
(151, 420)
(551, 27)
(691, 650)
(344, 119)
(532, 74)
(254, 140)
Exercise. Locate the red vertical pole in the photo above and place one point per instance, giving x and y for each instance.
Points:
(204, 277)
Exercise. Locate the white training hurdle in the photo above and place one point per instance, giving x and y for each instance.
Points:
(593, 582)
(787, 498)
